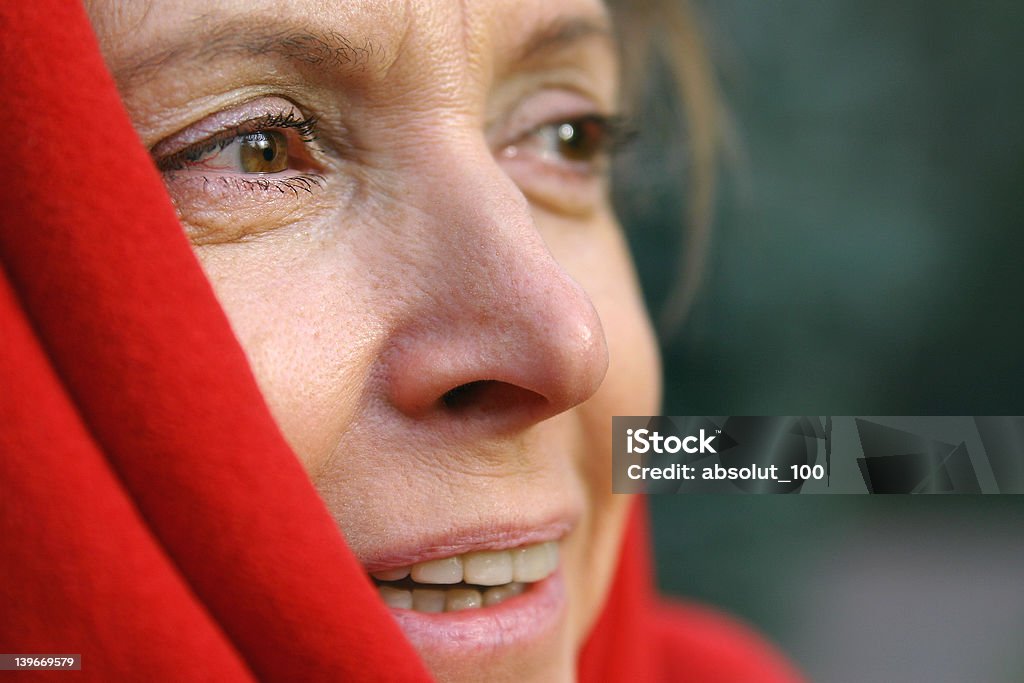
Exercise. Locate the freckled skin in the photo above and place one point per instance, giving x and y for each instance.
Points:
(428, 261)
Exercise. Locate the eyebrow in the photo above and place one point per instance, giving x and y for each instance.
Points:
(561, 33)
(327, 49)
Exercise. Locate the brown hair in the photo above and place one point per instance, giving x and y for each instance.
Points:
(666, 33)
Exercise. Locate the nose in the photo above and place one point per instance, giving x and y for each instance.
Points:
(501, 335)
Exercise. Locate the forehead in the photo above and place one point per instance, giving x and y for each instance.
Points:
(474, 36)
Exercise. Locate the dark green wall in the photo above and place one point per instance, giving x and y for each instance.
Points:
(868, 258)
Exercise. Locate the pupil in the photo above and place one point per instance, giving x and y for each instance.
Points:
(580, 140)
(268, 153)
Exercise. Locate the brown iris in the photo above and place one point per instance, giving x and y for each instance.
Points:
(264, 152)
(581, 140)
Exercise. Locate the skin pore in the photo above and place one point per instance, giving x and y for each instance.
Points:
(403, 209)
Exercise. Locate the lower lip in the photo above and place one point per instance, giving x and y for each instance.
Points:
(526, 618)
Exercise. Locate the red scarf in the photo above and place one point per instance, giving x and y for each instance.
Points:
(152, 517)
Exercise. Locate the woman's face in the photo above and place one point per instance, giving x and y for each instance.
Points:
(402, 208)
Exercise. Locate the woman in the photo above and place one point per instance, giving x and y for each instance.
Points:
(402, 210)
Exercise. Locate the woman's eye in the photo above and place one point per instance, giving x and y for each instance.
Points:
(244, 171)
(580, 140)
(561, 163)
(264, 151)
(580, 145)
(271, 146)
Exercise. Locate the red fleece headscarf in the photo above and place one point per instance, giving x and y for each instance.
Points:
(152, 517)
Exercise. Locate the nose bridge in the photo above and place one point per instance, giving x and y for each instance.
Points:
(487, 247)
(483, 226)
(492, 238)
(501, 309)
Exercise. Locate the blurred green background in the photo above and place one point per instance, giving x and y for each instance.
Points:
(867, 259)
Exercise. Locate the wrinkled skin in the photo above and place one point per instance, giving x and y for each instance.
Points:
(434, 237)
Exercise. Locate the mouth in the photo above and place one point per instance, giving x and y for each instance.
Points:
(470, 581)
(477, 593)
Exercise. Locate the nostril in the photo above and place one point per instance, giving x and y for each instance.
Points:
(491, 396)
(465, 395)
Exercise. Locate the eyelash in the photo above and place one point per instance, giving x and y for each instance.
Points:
(183, 159)
(614, 132)
(305, 182)
(620, 130)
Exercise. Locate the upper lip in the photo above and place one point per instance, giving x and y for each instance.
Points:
(498, 536)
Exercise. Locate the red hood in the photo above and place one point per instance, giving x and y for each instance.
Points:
(154, 519)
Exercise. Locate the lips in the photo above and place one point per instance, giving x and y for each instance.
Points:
(528, 620)
(493, 590)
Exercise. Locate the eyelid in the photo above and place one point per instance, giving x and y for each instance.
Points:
(543, 106)
(195, 154)
(617, 130)
(526, 143)
(222, 122)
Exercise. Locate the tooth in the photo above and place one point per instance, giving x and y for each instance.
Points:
(396, 597)
(427, 600)
(488, 568)
(462, 598)
(517, 588)
(445, 570)
(499, 594)
(552, 547)
(534, 562)
(392, 574)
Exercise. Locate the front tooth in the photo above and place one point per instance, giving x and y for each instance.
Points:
(396, 597)
(534, 562)
(445, 570)
(427, 600)
(462, 598)
(487, 568)
(392, 574)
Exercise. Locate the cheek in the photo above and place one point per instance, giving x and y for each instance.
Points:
(293, 312)
(310, 315)
(601, 264)
(632, 385)
(634, 374)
